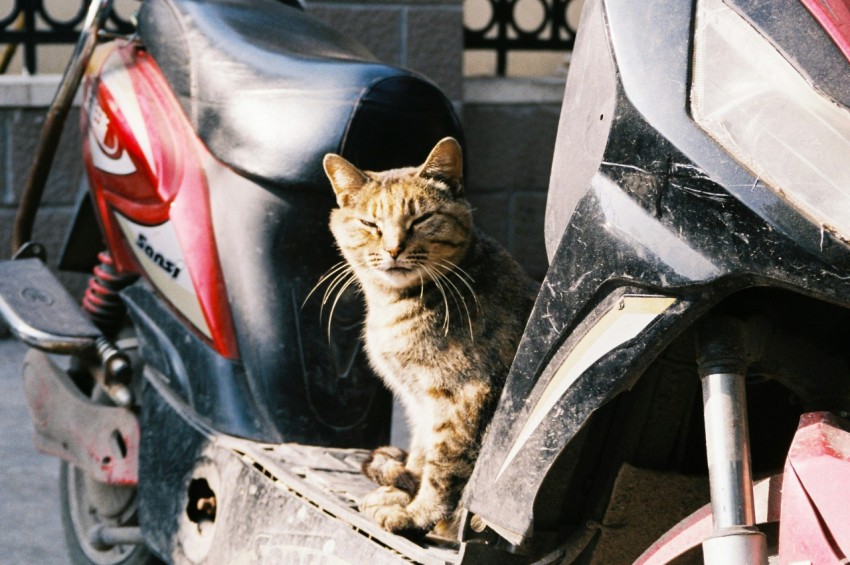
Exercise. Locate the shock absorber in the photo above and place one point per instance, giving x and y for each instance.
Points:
(101, 300)
(722, 357)
(106, 309)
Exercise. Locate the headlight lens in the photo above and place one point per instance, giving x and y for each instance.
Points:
(759, 108)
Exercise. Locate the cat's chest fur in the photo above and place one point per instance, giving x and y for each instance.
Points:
(407, 346)
(425, 338)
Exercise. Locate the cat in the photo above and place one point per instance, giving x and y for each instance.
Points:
(445, 308)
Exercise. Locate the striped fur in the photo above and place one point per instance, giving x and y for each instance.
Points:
(446, 306)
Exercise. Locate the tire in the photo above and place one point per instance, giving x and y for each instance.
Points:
(86, 503)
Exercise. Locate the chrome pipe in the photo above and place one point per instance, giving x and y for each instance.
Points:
(105, 537)
(723, 358)
(728, 448)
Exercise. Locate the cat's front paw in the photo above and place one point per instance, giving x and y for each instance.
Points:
(395, 511)
(386, 507)
(385, 496)
(386, 467)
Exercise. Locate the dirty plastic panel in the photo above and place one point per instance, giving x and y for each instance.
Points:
(667, 213)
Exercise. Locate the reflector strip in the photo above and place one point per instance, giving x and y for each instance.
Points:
(624, 322)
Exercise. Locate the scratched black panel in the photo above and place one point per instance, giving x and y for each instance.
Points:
(667, 212)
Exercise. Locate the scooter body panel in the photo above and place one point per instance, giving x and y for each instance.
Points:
(665, 218)
(143, 162)
(234, 250)
(272, 503)
(813, 524)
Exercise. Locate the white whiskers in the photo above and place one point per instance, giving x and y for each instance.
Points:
(338, 279)
(448, 288)
(451, 281)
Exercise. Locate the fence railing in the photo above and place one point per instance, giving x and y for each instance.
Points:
(31, 23)
(509, 25)
(521, 25)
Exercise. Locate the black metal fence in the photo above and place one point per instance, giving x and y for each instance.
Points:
(522, 25)
(544, 26)
(31, 23)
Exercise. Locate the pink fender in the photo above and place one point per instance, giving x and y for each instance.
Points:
(811, 501)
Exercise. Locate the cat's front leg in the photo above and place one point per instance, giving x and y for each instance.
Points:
(416, 460)
(455, 416)
(448, 464)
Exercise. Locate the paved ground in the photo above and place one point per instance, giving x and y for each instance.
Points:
(30, 528)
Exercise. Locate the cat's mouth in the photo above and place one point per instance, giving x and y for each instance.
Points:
(398, 275)
(394, 266)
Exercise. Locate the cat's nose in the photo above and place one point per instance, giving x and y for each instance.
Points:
(393, 241)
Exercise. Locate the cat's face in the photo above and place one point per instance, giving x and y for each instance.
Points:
(402, 227)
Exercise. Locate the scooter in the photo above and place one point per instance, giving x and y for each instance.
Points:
(196, 374)
(689, 329)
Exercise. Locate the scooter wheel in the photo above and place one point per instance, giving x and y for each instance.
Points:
(86, 504)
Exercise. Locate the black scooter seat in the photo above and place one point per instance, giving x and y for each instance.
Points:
(270, 89)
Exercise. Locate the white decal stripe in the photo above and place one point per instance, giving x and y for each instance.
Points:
(117, 80)
(170, 277)
(624, 322)
(120, 166)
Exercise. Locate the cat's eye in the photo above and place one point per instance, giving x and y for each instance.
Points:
(421, 219)
(372, 226)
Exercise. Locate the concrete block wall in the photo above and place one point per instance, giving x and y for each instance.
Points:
(510, 124)
(510, 127)
(23, 106)
(425, 36)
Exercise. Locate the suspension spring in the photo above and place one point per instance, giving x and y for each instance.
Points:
(101, 300)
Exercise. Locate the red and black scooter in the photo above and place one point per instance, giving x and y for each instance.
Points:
(697, 296)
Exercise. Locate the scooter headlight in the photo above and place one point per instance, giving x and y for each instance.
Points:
(759, 108)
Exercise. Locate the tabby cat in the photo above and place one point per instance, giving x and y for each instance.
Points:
(446, 306)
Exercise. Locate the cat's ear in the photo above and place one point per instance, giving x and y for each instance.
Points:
(345, 178)
(445, 163)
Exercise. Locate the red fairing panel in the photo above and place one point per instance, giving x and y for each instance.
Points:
(144, 164)
(815, 521)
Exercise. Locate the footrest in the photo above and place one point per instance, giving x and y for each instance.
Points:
(40, 312)
(331, 479)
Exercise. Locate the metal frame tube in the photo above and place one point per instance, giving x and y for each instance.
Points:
(48, 142)
(105, 537)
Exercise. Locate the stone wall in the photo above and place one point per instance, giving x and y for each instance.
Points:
(510, 127)
(510, 124)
